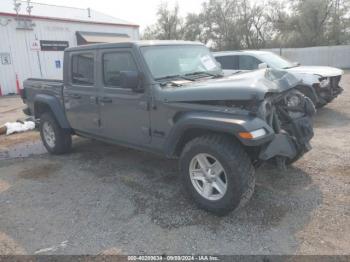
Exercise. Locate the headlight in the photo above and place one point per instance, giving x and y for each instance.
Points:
(293, 101)
(324, 82)
(253, 134)
(258, 133)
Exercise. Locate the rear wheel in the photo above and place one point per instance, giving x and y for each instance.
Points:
(217, 173)
(55, 139)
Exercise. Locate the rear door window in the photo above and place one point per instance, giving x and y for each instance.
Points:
(83, 69)
(229, 62)
(247, 62)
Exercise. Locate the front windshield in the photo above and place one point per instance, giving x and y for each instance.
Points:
(276, 61)
(179, 60)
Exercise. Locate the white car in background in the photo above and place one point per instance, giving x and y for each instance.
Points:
(319, 83)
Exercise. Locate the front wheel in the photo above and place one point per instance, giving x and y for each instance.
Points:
(55, 139)
(218, 173)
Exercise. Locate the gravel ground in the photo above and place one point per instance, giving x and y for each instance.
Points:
(112, 200)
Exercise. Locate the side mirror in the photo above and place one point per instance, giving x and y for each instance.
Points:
(131, 80)
(262, 66)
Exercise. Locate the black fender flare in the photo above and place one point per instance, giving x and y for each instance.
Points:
(55, 106)
(216, 122)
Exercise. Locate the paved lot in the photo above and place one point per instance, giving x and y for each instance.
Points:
(108, 199)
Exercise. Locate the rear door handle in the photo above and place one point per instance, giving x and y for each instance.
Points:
(75, 96)
(93, 100)
(106, 100)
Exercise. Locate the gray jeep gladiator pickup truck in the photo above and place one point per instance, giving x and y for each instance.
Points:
(170, 97)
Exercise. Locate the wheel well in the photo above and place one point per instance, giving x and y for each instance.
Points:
(196, 132)
(41, 108)
(308, 92)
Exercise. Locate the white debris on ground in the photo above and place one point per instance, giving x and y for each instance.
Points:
(17, 127)
(52, 248)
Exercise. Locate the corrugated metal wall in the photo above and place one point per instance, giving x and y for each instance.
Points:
(337, 56)
(25, 61)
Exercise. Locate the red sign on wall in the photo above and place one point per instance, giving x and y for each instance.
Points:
(35, 45)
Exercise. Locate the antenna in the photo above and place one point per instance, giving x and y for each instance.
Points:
(23, 23)
(29, 7)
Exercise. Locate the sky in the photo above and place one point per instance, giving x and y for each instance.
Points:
(141, 12)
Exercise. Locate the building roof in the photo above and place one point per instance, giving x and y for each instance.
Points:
(62, 13)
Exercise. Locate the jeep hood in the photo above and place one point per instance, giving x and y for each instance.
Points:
(239, 87)
(322, 71)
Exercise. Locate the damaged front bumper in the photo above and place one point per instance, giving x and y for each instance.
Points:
(326, 93)
(293, 127)
(290, 146)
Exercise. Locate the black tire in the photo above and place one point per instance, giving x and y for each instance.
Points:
(62, 137)
(237, 165)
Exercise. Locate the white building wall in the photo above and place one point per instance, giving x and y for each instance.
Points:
(25, 62)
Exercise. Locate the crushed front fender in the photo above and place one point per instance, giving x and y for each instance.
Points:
(293, 125)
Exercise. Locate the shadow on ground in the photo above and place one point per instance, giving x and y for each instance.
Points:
(157, 186)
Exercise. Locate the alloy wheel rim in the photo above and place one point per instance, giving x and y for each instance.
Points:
(208, 176)
(49, 134)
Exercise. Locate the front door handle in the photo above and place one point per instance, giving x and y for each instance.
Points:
(106, 100)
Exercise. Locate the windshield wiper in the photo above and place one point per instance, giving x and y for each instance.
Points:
(173, 76)
(203, 73)
(165, 80)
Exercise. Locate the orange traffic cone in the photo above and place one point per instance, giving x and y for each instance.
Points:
(19, 90)
(17, 85)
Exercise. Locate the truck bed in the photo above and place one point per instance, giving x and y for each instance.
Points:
(32, 87)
